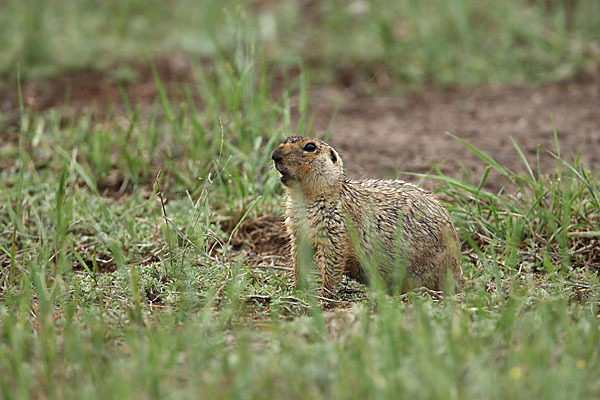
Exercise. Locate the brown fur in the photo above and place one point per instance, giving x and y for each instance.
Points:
(396, 226)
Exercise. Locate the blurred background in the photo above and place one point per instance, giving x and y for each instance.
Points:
(395, 43)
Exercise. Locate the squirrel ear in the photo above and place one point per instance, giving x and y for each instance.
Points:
(333, 156)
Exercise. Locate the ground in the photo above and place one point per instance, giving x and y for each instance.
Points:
(381, 136)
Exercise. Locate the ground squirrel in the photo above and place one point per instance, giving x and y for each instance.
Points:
(397, 227)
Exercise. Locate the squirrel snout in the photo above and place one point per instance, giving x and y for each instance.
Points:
(276, 155)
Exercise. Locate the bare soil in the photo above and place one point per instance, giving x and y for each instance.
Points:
(382, 136)
(379, 137)
(93, 91)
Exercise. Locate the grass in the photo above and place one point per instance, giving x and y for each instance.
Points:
(144, 295)
(123, 274)
(375, 44)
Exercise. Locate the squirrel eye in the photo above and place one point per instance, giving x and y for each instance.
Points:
(310, 147)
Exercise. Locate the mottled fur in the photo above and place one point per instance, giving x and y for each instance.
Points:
(398, 227)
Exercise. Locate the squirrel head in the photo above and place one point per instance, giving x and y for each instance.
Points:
(310, 165)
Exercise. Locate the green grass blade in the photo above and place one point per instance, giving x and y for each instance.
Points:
(525, 162)
(487, 159)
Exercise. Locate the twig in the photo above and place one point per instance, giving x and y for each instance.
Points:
(262, 266)
(331, 300)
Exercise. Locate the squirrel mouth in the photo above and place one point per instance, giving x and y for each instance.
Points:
(285, 176)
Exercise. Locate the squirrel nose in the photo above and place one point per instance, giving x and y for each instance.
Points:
(276, 155)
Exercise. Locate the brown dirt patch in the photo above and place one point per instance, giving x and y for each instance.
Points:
(381, 136)
(265, 234)
(264, 241)
(94, 91)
